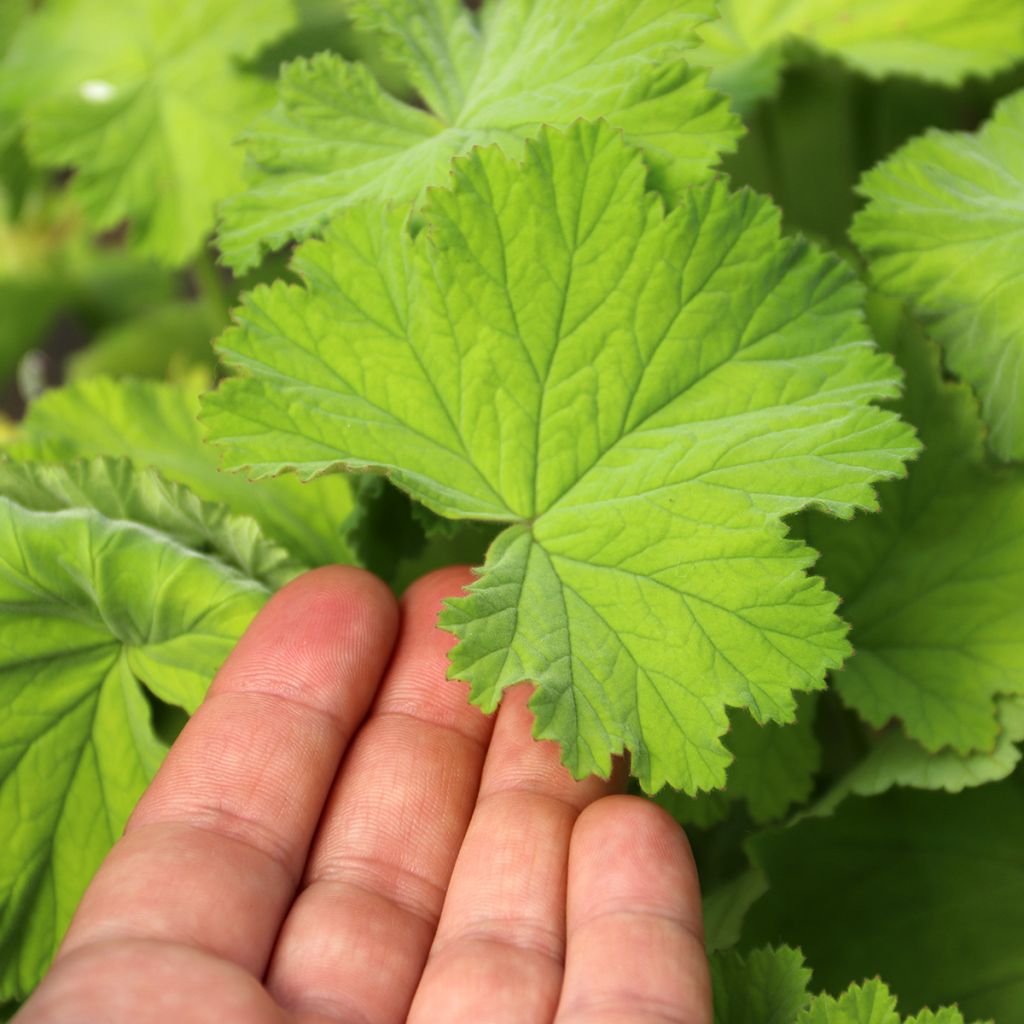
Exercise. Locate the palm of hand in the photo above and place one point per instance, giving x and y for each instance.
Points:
(449, 870)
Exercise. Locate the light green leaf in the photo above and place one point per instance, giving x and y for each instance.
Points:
(898, 761)
(144, 100)
(154, 424)
(640, 396)
(939, 42)
(116, 490)
(923, 889)
(336, 137)
(933, 586)
(944, 231)
(768, 986)
(94, 611)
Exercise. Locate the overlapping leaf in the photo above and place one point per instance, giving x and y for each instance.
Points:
(154, 424)
(939, 42)
(944, 231)
(773, 769)
(933, 586)
(640, 396)
(898, 761)
(96, 609)
(144, 100)
(337, 137)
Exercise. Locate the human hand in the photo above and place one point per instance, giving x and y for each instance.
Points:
(449, 870)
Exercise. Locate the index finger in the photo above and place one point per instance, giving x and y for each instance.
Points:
(216, 847)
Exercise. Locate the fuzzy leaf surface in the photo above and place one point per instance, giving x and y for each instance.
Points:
(145, 101)
(337, 137)
(943, 230)
(640, 396)
(939, 42)
(96, 609)
(932, 587)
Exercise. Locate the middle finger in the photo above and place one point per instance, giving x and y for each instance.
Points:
(354, 943)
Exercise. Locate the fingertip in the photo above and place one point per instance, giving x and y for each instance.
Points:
(341, 591)
(316, 629)
(643, 855)
(640, 823)
(433, 589)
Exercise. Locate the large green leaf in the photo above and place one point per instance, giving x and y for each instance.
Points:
(95, 610)
(154, 424)
(933, 586)
(924, 889)
(337, 137)
(944, 231)
(640, 396)
(144, 100)
(939, 42)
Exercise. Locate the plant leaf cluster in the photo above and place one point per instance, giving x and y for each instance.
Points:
(744, 507)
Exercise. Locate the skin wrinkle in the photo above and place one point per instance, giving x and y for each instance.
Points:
(215, 816)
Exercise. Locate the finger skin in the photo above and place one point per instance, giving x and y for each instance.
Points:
(635, 947)
(216, 846)
(498, 952)
(356, 940)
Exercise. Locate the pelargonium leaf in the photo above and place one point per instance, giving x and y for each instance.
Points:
(154, 424)
(640, 396)
(943, 230)
(939, 42)
(896, 760)
(116, 489)
(336, 137)
(933, 586)
(144, 100)
(773, 769)
(96, 610)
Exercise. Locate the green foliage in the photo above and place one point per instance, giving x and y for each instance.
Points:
(535, 289)
(615, 381)
(337, 137)
(154, 424)
(771, 986)
(144, 100)
(944, 231)
(940, 42)
(113, 584)
(925, 889)
(933, 588)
